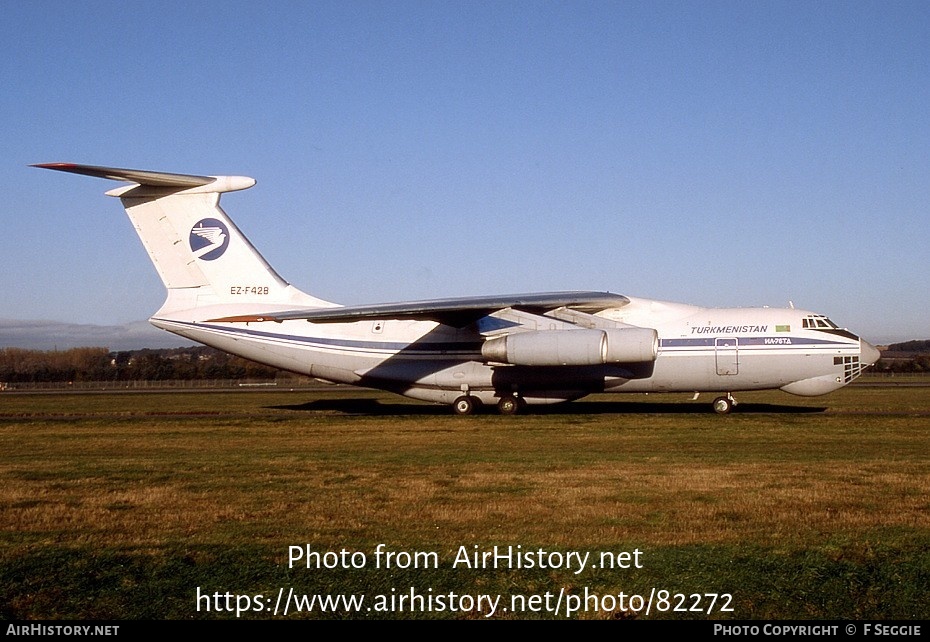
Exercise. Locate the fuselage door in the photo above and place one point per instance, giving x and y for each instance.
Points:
(727, 353)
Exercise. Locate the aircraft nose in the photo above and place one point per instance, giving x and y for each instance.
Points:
(868, 354)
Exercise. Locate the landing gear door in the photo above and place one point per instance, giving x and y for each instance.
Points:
(727, 353)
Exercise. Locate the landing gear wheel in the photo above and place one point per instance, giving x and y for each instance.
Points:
(723, 405)
(509, 405)
(465, 405)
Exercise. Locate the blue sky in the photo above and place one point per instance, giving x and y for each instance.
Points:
(715, 153)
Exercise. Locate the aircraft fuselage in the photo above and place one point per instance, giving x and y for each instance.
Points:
(699, 349)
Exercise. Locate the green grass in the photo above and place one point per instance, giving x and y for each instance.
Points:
(119, 506)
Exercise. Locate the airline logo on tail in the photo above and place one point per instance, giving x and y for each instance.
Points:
(209, 239)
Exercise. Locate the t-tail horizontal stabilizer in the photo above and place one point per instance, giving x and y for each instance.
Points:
(155, 179)
(203, 259)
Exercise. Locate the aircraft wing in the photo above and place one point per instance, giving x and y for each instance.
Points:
(456, 312)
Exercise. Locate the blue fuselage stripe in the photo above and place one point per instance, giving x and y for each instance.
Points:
(445, 347)
(768, 342)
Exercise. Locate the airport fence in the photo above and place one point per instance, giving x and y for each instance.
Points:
(170, 384)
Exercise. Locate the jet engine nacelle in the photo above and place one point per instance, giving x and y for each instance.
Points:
(574, 347)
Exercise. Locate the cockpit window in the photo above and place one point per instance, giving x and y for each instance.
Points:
(818, 322)
(823, 324)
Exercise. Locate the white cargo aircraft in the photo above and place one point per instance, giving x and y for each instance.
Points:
(509, 350)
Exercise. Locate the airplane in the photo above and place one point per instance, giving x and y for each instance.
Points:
(511, 351)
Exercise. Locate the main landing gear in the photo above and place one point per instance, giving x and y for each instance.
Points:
(467, 405)
(510, 405)
(724, 405)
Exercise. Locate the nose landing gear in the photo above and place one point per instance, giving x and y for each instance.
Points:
(724, 405)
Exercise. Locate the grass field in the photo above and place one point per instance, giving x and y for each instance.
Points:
(124, 506)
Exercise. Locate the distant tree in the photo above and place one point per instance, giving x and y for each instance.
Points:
(911, 346)
(76, 364)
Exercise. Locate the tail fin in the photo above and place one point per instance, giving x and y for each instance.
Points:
(201, 256)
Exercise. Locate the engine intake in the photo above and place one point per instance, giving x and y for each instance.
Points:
(574, 347)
